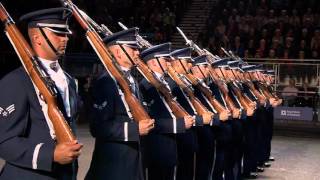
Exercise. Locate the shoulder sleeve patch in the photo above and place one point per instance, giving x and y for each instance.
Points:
(100, 106)
(5, 112)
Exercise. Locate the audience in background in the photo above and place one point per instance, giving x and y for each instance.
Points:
(265, 29)
(290, 93)
(156, 18)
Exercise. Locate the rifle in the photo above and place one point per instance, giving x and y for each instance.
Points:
(40, 79)
(261, 91)
(204, 89)
(187, 88)
(252, 85)
(175, 107)
(229, 103)
(206, 92)
(247, 102)
(136, 109)
(263, 86)
(142, 42)
(199, 107)
(249, 83)
(224, 89)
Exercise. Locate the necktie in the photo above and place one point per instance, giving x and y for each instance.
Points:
(126, 74)
(163, 80)
(131, 81)
(62, 85)
(54, 66)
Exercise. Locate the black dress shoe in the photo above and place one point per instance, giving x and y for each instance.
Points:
(271, 158)
(259, 169)
(250, 176)
(266, 164)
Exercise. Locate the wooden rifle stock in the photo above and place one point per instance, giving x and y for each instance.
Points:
(136, 109)
(265, 91)
(230, 104)
(271, 91)
(225, 91)
(244, 100)
(218, 106)
(199, 107)
(263, 86)
(255, 91)
(176, 108)
(28, 59)
(207, 93)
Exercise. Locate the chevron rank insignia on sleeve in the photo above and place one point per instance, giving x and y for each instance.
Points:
(4, 112)
(100, 107)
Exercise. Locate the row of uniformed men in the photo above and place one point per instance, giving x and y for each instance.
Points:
(168, 147)
(164, 147)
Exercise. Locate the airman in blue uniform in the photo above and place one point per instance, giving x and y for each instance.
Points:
(159, 147)
(224, 152)
(27, 138)
(117, 152)
(207, 134)
(187, 142)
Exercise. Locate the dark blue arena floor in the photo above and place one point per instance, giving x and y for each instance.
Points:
(297, 158)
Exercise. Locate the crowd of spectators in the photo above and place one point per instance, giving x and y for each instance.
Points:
(251, 28)
(265, 29)
(156, 19)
